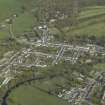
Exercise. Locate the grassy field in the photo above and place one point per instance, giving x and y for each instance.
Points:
(91, 21)
(23, 22)
(8, 7)
(29, 95)
(100, 66)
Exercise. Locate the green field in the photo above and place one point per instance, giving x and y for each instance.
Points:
(8, 7)
(91, 21)
(23, 22)
(100, 66)
(29, 95)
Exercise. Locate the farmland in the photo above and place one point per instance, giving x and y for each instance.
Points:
(52, 52)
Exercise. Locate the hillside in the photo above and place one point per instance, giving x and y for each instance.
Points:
(91, 21)
(52, 52)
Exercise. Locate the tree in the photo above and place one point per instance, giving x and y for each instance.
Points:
(75, 7)
(49, 9)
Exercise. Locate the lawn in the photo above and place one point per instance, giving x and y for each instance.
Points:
(29, 95)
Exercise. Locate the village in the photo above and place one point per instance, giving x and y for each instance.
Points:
(35, 57)
(52, 50)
